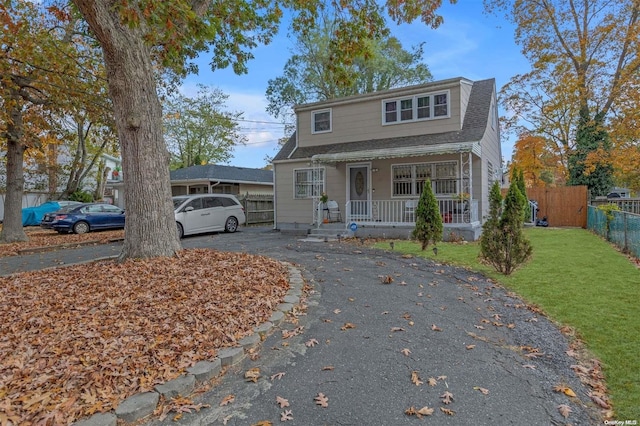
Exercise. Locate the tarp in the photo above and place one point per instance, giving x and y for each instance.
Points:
(32, 216)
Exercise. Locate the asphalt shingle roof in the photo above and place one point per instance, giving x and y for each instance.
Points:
(223, 173)
(473, 128)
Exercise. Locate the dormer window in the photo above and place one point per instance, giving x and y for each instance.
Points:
(416, 108)
(321, 121)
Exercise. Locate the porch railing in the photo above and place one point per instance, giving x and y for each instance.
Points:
(402, 212)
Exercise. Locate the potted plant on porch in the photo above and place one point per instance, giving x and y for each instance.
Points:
(463, 201)
(323, 199)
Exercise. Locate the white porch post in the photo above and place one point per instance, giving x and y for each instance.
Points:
(317, 183)
(466, 174)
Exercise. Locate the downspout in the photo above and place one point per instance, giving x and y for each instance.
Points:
(212, 185)
(275, 203)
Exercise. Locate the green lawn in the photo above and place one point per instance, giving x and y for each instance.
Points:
(581, 281)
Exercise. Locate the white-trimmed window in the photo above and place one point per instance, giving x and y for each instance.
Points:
(321, 121)
(308, 183)
(415, 108)
(409, 179)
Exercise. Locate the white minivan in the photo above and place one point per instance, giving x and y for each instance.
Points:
(196, 214)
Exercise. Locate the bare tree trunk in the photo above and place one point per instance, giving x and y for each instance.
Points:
(52, 169)
(150, 228)
(12, 230)
(101, 180)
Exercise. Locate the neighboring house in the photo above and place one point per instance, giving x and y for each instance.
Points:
(216, 179)
(113, 180)
(372, 154)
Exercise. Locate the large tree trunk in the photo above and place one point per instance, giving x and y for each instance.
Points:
(12, 230)
(150, 228)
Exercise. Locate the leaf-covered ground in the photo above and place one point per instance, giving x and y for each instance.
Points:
(78, 340)
(43, 238)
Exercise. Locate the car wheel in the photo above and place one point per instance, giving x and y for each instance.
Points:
(180, 230)
(231, 225)
(81, 228)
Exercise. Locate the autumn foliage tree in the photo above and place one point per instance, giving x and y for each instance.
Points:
(38, 67)
(428, 219)
(312, 74)
(539, 162)
(585, 61)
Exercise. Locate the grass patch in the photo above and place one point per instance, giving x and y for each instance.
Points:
(581, 281)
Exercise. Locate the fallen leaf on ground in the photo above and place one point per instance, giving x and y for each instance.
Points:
(435, 327)
(386, 279)
(470, 346)
(482, 390)
(252, 375)
(328, 368)
(565, 390)
(424, 411)
(311, 343)
(287, 415)
(405, 352)
(322, 400)
(443, 378)
(531, 366)
(227, 400)
(336, 311)
(347, 326)
(415, 378)
(599, 401)
(397, 329)
(282, 402)
(180, 405)
(447, 397)
(432, 381)
(278, 375)
(263, 423)
(564, 410)
(448, 411)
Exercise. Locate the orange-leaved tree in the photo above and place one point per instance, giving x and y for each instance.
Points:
(38, 65)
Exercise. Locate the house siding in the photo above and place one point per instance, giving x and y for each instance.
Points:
(363, 119)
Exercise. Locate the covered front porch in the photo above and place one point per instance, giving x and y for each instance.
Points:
(396, 218)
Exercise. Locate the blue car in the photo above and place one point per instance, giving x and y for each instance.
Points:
(88, 217)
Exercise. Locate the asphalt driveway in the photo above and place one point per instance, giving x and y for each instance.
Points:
(383, 334)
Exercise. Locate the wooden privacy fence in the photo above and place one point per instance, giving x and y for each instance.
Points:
(563, 206)
(257, 207)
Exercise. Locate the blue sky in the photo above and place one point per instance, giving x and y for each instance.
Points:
(468, 44)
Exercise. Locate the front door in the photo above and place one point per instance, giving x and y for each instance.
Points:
(359, 191)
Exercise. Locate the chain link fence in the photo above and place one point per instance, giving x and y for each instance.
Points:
(620, 228)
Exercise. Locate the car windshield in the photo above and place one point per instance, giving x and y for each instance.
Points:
(177, 201)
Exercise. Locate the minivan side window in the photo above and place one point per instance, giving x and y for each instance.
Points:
(212, 202)
(228, 202)
(196, 203)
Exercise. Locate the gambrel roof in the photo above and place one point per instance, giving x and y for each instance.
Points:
(467, 139)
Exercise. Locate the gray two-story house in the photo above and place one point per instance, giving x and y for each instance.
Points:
(373, 153)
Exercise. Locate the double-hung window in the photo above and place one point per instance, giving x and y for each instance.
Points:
(308, 183)
(409, 179)
(416, 108)
(321, 121)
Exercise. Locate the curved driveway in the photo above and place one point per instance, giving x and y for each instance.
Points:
(374, 320)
